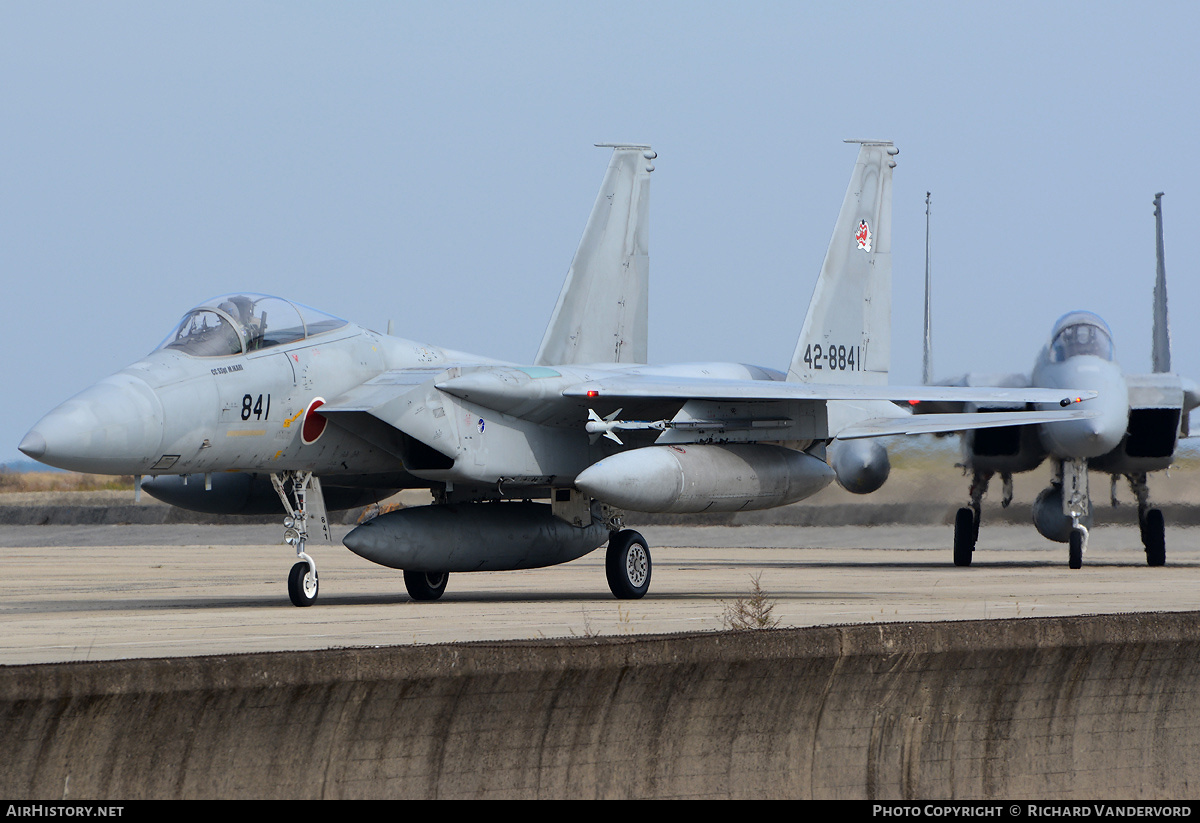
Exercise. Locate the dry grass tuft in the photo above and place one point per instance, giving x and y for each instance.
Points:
(752, 612)
(12, 482)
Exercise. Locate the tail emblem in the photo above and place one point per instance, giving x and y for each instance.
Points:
(863, 235)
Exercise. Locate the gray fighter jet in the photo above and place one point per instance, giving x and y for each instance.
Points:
(1139, 419)
(256, 404)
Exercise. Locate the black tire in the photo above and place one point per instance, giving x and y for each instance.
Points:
(1154, 537)
(1075, 550)
(627, 565)
(965, 532)
(425, 585)
(302, 585)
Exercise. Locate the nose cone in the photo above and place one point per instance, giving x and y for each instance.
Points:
(34, 445)
(1079, 439)
(114, 427)
(1097, 435)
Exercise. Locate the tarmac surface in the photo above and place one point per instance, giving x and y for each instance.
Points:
(75, 593)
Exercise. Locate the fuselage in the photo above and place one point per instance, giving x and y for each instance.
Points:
(236, 389)
(220, 399)
(1080, 354)
(1094, 436)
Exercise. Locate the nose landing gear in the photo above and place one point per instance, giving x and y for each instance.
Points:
(301, 495)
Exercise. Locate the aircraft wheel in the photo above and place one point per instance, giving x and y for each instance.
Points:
(1154, 536)
(302, 585)
(1075, 550)
(965, 532)
(425, 585)
(627, 565)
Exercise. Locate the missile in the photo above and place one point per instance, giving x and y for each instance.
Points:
(608, 426)
(704, 478)
(472, 537)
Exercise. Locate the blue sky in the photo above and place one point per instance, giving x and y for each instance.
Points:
(432, 165)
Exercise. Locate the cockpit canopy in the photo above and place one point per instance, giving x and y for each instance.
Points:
(1080, 332)
(241, 323)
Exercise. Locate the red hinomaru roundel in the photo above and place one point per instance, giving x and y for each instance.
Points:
(314, 424)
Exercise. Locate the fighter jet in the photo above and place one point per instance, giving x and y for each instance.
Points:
(255, 403)
(1135, 429)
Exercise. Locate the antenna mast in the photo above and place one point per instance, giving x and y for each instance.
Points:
(927, 365)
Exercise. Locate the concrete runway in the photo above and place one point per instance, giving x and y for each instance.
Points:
(76, 593)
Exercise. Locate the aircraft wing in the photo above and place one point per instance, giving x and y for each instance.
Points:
(406, 401)
(769, 408)
(994, 381)
(936, 423)
(696, 388)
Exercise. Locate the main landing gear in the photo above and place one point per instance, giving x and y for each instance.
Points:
(966, 521)
(300, 493)
(425, 585)
(966, 533)
(1150, 522)
(627, 564)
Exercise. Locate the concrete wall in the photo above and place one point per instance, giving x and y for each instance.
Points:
(1097, 707)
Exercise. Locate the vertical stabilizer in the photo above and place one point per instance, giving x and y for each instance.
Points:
(846, 337)
(1160, 356)
(601, 314)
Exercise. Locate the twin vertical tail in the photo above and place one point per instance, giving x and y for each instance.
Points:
(1160, 355)
(846, 338)
(601, 314)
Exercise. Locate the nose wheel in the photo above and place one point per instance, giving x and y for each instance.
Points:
(302, 583)
(1076, 545)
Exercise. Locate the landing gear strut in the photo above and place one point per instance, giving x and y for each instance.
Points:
(1076, 503)
(300, 493)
